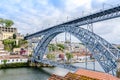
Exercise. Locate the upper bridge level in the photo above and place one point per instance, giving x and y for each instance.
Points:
(92, 18)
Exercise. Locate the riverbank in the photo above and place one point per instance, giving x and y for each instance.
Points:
(19, 65)
(14, 65)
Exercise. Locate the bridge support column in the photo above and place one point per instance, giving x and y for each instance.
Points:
(118, 68)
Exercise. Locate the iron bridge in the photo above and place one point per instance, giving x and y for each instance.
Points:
(104, 52)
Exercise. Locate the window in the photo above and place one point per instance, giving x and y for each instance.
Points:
(13, 60)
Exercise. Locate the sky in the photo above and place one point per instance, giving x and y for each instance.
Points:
(30, 16)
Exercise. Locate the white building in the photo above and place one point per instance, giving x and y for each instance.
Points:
(2, 51)
(81, 57)
(13, 59)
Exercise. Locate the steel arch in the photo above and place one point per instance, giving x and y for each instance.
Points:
(97, 45)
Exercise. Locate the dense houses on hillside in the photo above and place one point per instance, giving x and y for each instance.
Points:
(13, 59)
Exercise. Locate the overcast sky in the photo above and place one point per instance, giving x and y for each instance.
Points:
(33, 15)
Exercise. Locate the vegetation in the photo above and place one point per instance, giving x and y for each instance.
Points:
(14, 36)
(10, 44)
(60, 47)
(13, 65)
(4, 61)
(22, 42)
(51, 56)
(6, 22)
(53, 47)
(69, 56)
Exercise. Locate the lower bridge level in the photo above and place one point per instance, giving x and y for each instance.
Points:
(62, 65)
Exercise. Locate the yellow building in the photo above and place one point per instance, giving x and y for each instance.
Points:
(6, 32)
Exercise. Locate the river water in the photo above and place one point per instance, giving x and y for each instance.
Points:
(39, 74)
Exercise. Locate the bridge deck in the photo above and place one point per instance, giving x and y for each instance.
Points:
(62, 65)
(99, 16)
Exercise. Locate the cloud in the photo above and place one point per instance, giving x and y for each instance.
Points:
(30, 16)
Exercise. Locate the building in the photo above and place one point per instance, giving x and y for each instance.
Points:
(81, 57)
(13, 59)
(2, 51)
(20, 51)
(19, 36)
(6, 32)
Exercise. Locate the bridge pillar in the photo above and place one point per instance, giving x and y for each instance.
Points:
(118, 68)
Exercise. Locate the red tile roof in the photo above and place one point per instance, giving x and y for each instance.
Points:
(97, 75)
(12, 57)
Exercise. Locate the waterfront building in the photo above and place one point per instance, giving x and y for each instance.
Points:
(13, 59)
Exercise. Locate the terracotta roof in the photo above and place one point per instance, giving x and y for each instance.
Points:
(56, 77)
(81, 54)
(71, 76)
(82, 74)
(97, 75)
(12, 57)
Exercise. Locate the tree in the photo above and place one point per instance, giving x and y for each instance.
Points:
(8, 23)
(2, 21)
(51, 56)
(60, 47)
(9, 44)
(52, 47)
(14, 36)
(4, 61)
(69, 56)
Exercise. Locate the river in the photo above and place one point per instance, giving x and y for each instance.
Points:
(38, 74)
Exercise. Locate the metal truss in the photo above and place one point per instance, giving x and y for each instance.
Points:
(100, 48)
(92, 18)
(62, 65)
(104, 52)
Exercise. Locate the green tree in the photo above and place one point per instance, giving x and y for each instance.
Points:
(8, 23)
(52, 47)
(9, 44)
(60, 47)
(69, 56)
(14, 36)
(4, 61)
(2, 21)
(51, 56)
(23, 42)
